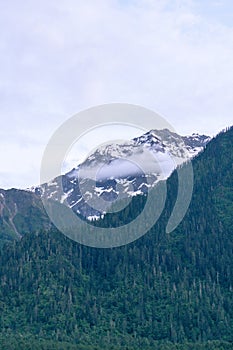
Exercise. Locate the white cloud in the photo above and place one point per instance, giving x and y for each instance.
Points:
(59, 57)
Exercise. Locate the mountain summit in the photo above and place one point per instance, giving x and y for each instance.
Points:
(123, 169)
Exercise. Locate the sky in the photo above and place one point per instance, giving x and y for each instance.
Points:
(61, 57)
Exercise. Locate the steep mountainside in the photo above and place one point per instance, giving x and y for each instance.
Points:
(164, 287)
(20, 212)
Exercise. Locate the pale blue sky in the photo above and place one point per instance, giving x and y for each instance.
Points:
(60, 57)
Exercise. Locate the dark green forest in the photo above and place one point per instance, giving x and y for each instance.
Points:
(163, 291)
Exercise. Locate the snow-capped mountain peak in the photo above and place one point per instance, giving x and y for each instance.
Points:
(123, 169)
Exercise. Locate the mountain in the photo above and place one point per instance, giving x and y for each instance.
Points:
(122, 170)
(22, 211)
(155, 293)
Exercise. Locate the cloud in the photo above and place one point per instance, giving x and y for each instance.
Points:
(59, 57)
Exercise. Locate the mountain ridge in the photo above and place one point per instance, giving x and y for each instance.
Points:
(122, 170)
(15, 222)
